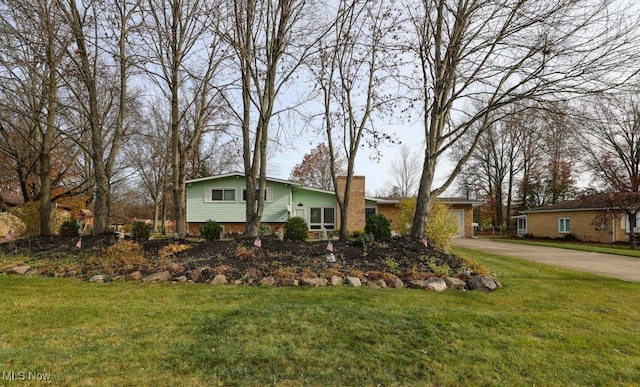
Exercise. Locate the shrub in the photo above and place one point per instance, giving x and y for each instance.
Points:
(295, 229)
(265, 230)
(140, 230)
(69, 228)
(211, 231)
(125, 254)
(442, 225)
(405, 219)
(379, 227)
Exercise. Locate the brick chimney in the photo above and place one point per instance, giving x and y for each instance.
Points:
(357, 204)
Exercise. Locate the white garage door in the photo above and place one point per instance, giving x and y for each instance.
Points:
(460, 218)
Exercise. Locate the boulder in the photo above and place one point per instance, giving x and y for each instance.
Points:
(455, 283)
(353, 281)
(416, 284)
(135, 276)
(20, 269)
(373, 285)
(267, 281)
(99, 278)
(288, 282)
(483, 282)
(380, 282)
(219, 279)
(182, 279)
(335, 281)
(435, 284)
(158, 277)
(316, 282)
(396, 283)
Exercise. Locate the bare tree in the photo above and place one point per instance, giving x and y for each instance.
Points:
(269, 41)
(405, 172)
(315, 170)
(354, 65)
(31, 58)
(473, 57)
(185, 60)
(611, 141)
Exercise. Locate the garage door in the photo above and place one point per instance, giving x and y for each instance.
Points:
(460, 218)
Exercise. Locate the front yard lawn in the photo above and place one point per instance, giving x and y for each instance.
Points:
(547, 326)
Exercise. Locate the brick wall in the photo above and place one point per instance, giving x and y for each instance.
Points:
(585, 225)
(357, 203)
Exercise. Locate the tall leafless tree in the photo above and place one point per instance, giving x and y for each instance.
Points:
(473, 57)
(270, 41)
(185, 59)
(355, 63)
(611, 141)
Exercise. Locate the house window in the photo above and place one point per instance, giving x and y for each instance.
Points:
(564, 225)
(268, 194)
(370, 211)
(221, 195)
(322, 218)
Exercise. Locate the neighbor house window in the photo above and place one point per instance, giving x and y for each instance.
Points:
(564, 225)
(268, 194)
(370, 211)
(322, 218)
(221, 195)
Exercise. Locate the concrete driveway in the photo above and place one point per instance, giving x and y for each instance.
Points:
(617, 266)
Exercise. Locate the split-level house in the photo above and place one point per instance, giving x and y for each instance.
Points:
(222, 199)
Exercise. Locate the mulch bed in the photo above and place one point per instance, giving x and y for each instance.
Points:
(238, 259)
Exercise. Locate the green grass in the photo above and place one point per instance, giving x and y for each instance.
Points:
(616, 249)
(547, 326)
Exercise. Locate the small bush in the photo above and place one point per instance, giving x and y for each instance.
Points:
(265, 230)
(211, 231)
(140, 230)
(442, 225)
(68, 228)
(295, 229)
(125, 254)
(379, 226)
(570, 238)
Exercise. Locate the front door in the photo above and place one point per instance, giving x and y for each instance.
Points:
(460, 218)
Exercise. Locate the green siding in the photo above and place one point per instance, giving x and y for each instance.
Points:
(199, 210)
(310, 198)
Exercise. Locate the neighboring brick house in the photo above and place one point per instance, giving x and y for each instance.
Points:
(592, 218)
(221, 198)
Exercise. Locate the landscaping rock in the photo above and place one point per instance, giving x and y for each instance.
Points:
(381, 283)
(435, 284)
(353, 281)
(416, 284)
(20, 269)
(267, 281)
(335, 280)
(219, 279)
(455, 283)
(396, 283)
(182, 279)
(98, 278)
(373, 285)
(288, 282)
(483, 282)
(316, 282)
(7, 268)
(135, 276)
(158, 277)
(118, 278)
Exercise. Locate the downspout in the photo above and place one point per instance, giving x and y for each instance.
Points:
(613, 227)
